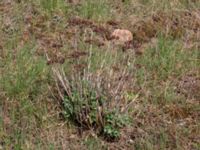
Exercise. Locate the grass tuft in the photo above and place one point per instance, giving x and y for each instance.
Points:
(23, 73)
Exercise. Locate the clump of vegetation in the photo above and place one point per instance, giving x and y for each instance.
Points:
(113, 122)
(90, 110)
(89, 105)
(21, 71)
(153, 79)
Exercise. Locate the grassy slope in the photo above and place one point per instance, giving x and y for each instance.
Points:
(165, 78)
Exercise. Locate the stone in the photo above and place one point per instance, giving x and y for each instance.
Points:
(122, 35)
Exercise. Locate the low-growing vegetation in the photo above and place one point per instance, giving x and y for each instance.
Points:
(67, 83)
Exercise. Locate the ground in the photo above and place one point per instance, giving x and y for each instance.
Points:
(154, 79)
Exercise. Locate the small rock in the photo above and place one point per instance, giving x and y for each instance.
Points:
(131, 141)
(122, 35)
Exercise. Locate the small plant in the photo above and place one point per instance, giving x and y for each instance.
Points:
(82, 106)
(110, 132)
(93, 100)
(113, 122)
(85, 106)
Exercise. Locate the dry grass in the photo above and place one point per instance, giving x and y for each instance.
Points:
(156, 76)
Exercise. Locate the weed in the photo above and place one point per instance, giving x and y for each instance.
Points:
(88, 100)
(113, 122)
(89, 107)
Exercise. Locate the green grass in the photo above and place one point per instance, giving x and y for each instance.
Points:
(21, 71)
(141, 106)
(168, 60)
(50, 6)
(23, 80)
(94, 9)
